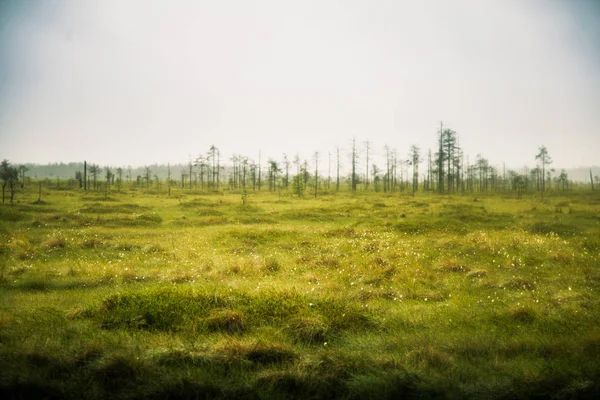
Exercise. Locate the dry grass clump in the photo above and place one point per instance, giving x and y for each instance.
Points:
(522, 314)
(518, 283)
(430, 357)
(150, 248)
(308, 329)
(183, 277)
(272, 264)
(118, 368)
(91, 243)
(562, 258)
(254, 351)
(225, 320)
(477, 273)
(89, 353)
(327, 261)
(453, 265)
(424, 295)
(56, 243)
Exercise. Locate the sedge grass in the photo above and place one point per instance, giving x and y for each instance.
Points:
(140, 295)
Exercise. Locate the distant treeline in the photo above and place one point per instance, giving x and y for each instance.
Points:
(446, 169)
(295, 177)
(68, 170)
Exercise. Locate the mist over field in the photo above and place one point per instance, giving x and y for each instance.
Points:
(150, 82)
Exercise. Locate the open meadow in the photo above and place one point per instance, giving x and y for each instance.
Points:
(372, 295)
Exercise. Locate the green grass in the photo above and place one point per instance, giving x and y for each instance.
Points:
(366, 296)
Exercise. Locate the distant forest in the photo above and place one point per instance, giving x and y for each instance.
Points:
(446, 170)
(69, 170)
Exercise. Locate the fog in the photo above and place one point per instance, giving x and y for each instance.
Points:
(142, 82)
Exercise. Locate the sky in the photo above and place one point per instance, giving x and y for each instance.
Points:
(136, 82)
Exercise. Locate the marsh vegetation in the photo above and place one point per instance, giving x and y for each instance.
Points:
(140, 295)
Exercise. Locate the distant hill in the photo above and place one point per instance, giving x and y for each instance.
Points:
(582, 174)
(68, 170)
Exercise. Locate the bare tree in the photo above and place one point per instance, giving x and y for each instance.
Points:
(354, 179)
(483, 169)
(440, 156)
(329, 170)
(259, 166)
(253, 175)
(157, 180)
(305, 174)
(544, 159)
(202, 162)
(79, 178)
(375, 171)
(388, 169)
(563, 178)
(94, 171)
(367, 148)
(286, 163)
(234, 175)
(430, 183)
(212, 157)
(147, 175)
(108, 177)
(244, 170)
(297, 177)
(22, 170)
(449, 142)
(218, 168)
(273, 171)
(337, 182)
(190, 167)
(316, 157)
(298, 181)
(119, 178)
(415, 158)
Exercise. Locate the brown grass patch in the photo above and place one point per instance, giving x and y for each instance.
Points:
(477, 273)
(229, 321)
(430, 357)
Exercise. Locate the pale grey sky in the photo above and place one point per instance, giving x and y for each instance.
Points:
(139, 81)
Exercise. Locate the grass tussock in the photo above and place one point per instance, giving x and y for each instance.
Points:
(56, 243)
(430, 357)
(556, 228)
(308, 329)
(227, 321)
(477, 273)
(519, 315)
(177, 310)
(518, 283)
(258, 352)
(453, 265)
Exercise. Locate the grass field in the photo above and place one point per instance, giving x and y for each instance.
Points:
(140, 295)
